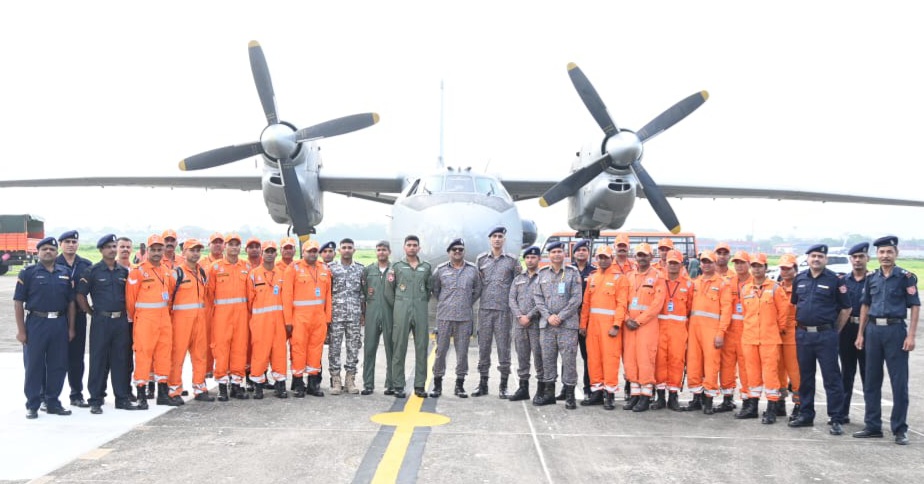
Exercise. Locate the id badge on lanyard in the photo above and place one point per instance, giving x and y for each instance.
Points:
(276, 290)
(561, 287)
(317, 292)
(165, 296)
(670, 306)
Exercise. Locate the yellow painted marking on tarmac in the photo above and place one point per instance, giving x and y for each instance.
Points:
(405, 422)
(95, 454)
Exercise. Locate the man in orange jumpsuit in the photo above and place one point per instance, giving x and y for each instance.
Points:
(216, 253)
(710, 313)
(722, 255)
(640, 341)
(287, 247)
(672, 331)
(227, 282)
(765, 312)
(604, 309)
(147, 299)
(189, 324)
(306, 299)
(254, 251)
(732, 355)
(623, 263)
(170, 260)
(788, 369)
(267, 328)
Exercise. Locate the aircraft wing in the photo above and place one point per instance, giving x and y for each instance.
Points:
(697, 191)
(526, 189)
(363, 187)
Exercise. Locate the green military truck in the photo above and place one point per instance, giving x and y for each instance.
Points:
(18, 236)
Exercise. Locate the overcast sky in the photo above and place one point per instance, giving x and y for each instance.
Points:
(823, 96)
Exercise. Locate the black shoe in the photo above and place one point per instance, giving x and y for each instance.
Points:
(540, 392)
(695, 404)
(845, 420)
(279, 389)
(868, 434)
(367, 391)
(595, 398)
(222, 392)
(633, 401)
(96, 409)
(298, 387)
(31, 413)
(707, 405)
(802, 421)
(660, 402)
(587, 393)
(460, 388)
(389, 392)
(401, 394)
(258, 391)
(238, 392)
(561, 395)
(609, 401)
(796, 411)
(314, 385)
(437, 387)
(163, 395)
(142, 399)
(901, 438)
(644, 403)
(502, 389)
(43, 407)
(204, 397)
(769, 416)
(570, 404)
(150, 394)
(420, 392)
(748, 410)
(59, 411)
(79, 402)
(522, 392)
(482, 387)
(547, 397)
(781, 408)
(727, 405)
(126, 405)
(836, 429)
(673, 403)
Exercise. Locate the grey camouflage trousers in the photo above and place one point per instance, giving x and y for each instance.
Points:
(493, 325)
(461, 333)
(557, 340)
(340, 331)
(527, 342)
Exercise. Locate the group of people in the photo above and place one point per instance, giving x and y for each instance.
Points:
(249, 322)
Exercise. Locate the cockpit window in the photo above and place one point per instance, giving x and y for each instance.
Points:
(459, 184)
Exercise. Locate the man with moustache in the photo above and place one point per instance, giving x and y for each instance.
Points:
(853, 359)
(76, 266)
(526, 332)
(227, 284)
(378, 316)
(190, 313)
(411, 285)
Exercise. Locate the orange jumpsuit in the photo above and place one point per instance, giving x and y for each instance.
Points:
(732, 355)
(189, 326)
(709, 314)
(626, 267)
(306, 300)
(267, 329)
(605, 304)
(672, 333)
(765, 311)
(789, 363)
(206, 264)
(227, 284)
(640, 346)
(147, 297)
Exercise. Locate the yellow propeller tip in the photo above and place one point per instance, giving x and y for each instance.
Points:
(543, 203)
(253, 43)
(675, 230)
(375, 118)
(304, 238)
(705, 95)
(183, 165)
(571, 66)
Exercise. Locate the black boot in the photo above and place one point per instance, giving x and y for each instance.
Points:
(609, 400)
(298, 386)
(587, 394)
(781, 408)
(142, 398)
(151, 387)
(570, 404)
(561, 395)
(460, 387)
(769, 416)
(258, 391)
(314, 385)
(279, 389)
(796, 411)
(502, 389)
(522, 392)
(163, 394)
(728, 404)
(268, 383)
(695, 404)
(631, 403)
(644, 402)
(482, 387)
(595, 398)
(204, 397)
(238, 392)
(627, 390)
(540, 393)
(672, 402)
(660, 402)
(248, 383)
(707, 405)
(437, 387)
(547, 397)
(222, 392)
(748, 410)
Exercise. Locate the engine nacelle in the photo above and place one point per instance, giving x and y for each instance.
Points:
(530, 232)
(307, 163)
(604, 203)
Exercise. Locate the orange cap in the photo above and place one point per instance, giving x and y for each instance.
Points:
(621, 239)
(666, 242)
(675, 256)
(216, 236)
(155, 239)
(643, 248)
(169, 233)
(312, 245)
(722, 245)
(788, 260)
(759, 258)
(742, 256)
(233, 236)
(268, 244)
(252, 240)
(707, 255)
(191, 243)
(288, 241)
(604, 250)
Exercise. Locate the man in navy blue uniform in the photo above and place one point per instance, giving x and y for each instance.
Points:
(45, 311)
(77, 347)
(110, 332)
(851, 357)
(822, 309)
(580, 258)
(887, 337)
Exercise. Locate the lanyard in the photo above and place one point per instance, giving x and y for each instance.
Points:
(670, 293)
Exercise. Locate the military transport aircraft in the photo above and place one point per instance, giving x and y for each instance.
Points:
(607, 176)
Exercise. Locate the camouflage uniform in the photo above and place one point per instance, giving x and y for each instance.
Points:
(456, 291)
(411, 287)
(497, 274)
(346, 303)
(559, 293)
(380, 303)
(526, 339)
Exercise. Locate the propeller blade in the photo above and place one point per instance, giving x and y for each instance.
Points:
(656, 198)
(261, 77)
(573, 182)
(336, 127)
(221, 156)
(592, 100)
(295, 201)
(672, 116)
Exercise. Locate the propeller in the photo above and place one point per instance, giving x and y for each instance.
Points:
(279, 141)
(622, 147)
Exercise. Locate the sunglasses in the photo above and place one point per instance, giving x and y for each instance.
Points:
(457, 249)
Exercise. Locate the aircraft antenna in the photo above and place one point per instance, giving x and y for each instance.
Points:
(441, 161)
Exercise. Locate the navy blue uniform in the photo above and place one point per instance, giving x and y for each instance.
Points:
(110, 332)
(582, 340)
(853, 361)
(818, 301)
(77, 346)
(888, 299)
(46, 296)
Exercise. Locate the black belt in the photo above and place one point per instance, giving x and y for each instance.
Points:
(107, 314)
(49, 315)
(817, 329)
(885, 321)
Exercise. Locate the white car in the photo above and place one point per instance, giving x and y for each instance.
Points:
(839, 263)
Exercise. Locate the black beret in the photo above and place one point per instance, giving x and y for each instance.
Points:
(581, 243)
(533, 250)
(105, 240)
(818, 248)
(887, 241)
(70, 234)
(329, 245)
(47, 241)
(861, 248)
(554, 245)
(498, 230)
(454, 243)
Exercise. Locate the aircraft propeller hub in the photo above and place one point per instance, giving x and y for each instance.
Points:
(278, 141)
(623, 148)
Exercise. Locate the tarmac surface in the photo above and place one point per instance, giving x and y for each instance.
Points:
(377, 438)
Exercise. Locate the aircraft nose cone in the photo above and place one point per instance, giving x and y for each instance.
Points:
(278, 141)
